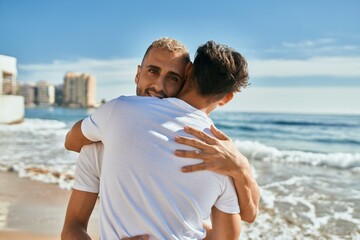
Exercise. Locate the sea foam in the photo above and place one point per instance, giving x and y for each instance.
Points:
(258, 151)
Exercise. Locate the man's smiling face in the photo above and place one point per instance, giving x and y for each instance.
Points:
(161, 74)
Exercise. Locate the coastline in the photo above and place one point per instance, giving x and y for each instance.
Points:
(34, 210)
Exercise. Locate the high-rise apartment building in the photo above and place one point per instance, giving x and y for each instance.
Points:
(59, 94)
(45, 93)
(79, 90)
(28, 91)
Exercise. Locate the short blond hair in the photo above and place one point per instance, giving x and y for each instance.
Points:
(171, 45)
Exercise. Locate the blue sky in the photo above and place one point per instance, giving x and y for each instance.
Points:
(304, 56)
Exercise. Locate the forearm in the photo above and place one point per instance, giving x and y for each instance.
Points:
(74, 231)
(221, 155)
(78, 212)
(248, 194)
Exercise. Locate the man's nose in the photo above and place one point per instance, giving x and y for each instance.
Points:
(159, 84)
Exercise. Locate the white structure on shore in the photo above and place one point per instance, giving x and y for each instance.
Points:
(12, 108)
(8, 73)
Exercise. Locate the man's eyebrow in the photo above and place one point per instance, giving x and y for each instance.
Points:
(153, 66)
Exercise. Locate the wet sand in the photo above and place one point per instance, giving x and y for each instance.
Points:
(34, 210)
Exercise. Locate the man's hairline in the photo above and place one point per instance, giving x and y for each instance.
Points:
(184, 54)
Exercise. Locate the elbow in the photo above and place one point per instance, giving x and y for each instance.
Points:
(249, 217)
(72, 148)
(69, 145)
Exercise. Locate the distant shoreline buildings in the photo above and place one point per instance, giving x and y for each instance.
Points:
(77, 91)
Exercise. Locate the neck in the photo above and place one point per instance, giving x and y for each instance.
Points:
(193, 98)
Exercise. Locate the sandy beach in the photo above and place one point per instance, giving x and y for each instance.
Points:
(33, 210)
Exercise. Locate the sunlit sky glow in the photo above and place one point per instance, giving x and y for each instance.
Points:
(304, 56)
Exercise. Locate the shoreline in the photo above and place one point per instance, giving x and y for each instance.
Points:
(294, 203)
(34, 210)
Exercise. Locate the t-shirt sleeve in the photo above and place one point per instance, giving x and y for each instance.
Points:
(93, 126)
(228, 201)
(88, 168)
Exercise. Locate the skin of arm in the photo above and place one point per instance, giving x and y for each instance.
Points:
(224, 225)
(220, 155)
(75, 139)
(80, 207)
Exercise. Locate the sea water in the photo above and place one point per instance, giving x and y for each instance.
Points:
(307, 166)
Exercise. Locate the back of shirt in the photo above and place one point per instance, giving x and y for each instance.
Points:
(142, 190)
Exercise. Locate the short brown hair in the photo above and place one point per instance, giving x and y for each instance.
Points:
(219, 69)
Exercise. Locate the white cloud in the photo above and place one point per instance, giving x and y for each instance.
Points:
(297, 100)
(105, 71)
(116, 76)
(316, 66)
(316, 47)
(310, 43)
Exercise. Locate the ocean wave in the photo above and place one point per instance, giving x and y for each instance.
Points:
(312, 123)
(60, 174)
(258, 151)
(235, 127)
(35, 149)
(34, 124)
(337, 140)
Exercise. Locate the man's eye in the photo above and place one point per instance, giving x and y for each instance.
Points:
(173, 78)
(153, 71)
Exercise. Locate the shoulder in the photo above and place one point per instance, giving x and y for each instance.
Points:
(134, 100)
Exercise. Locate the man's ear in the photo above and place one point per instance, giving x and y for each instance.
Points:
(137, 76)
(227, 98)
(188, 70)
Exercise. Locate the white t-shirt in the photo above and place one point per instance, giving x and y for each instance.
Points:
(88, 168)
(142, 189)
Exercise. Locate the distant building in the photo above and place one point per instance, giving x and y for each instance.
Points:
(8, 73)
(79, 90)
(28, 91)
(45, 93)
(12, 108)
(59, 94)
